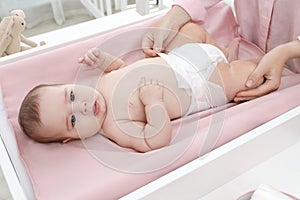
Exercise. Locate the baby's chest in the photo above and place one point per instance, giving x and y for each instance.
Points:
(124, 91)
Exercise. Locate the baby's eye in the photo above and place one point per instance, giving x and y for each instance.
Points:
(72, 96)
(73, 120)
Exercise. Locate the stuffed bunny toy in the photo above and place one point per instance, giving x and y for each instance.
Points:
(11, 28)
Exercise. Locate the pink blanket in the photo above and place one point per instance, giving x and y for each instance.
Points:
(98, 169)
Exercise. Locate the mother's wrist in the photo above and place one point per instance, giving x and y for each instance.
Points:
(293, 48)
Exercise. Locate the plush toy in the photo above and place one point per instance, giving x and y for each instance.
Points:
(11, 28)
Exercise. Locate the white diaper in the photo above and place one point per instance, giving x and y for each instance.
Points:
(193, 65)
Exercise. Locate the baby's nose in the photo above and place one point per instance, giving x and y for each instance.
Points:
(80, 107)
(83, 108)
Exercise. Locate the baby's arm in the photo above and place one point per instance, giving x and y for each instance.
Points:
(94, 58)
(157, 130)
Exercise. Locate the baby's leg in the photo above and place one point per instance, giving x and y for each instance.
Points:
(233, 76)
(191, 33)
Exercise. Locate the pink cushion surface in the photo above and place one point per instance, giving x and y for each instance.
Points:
(72, 171)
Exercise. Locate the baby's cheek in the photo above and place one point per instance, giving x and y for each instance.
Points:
(87, 126)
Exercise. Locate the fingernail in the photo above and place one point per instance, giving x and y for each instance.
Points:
(157, 49)
(236, 100)
(249, 83)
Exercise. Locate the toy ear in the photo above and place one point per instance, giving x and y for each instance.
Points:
(18, 12)
(7, 23)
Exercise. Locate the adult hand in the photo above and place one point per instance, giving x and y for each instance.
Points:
(164, 31)
(157, 38)
(270, 68)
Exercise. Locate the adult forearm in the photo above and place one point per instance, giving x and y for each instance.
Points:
(280, 54)
(177, 17)
(196, 9)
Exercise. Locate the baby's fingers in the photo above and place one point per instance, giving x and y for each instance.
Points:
(81, 60)
(151, 87)
(91, 56)
(94, 53)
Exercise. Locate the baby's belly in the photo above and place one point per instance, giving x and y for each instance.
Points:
(130, 78)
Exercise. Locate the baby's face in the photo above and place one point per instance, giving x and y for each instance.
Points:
(71, 111)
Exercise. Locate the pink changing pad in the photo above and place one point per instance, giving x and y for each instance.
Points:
(97, 168)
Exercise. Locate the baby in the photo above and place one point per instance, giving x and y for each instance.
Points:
(133, 105)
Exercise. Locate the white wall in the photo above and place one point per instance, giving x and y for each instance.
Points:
(38, 11)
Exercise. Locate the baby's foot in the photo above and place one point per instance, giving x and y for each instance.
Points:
(233, 49)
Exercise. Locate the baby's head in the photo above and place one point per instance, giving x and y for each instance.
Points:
(62, 112)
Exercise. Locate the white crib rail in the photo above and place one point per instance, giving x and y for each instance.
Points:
(98, 7)
(94, 7)
(143, 6)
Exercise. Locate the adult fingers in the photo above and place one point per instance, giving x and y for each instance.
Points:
(267, 87)
(242, 99)
(147, 45)
(158, 43)
(153, 43)
(254, 77)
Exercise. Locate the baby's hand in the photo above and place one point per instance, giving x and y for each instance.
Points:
(92, 59)
(151, 92)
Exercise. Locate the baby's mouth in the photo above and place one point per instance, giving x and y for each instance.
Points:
(96, 108)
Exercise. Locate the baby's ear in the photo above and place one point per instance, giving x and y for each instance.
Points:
(66, 140)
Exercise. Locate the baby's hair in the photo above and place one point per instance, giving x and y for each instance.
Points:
(29, 115)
